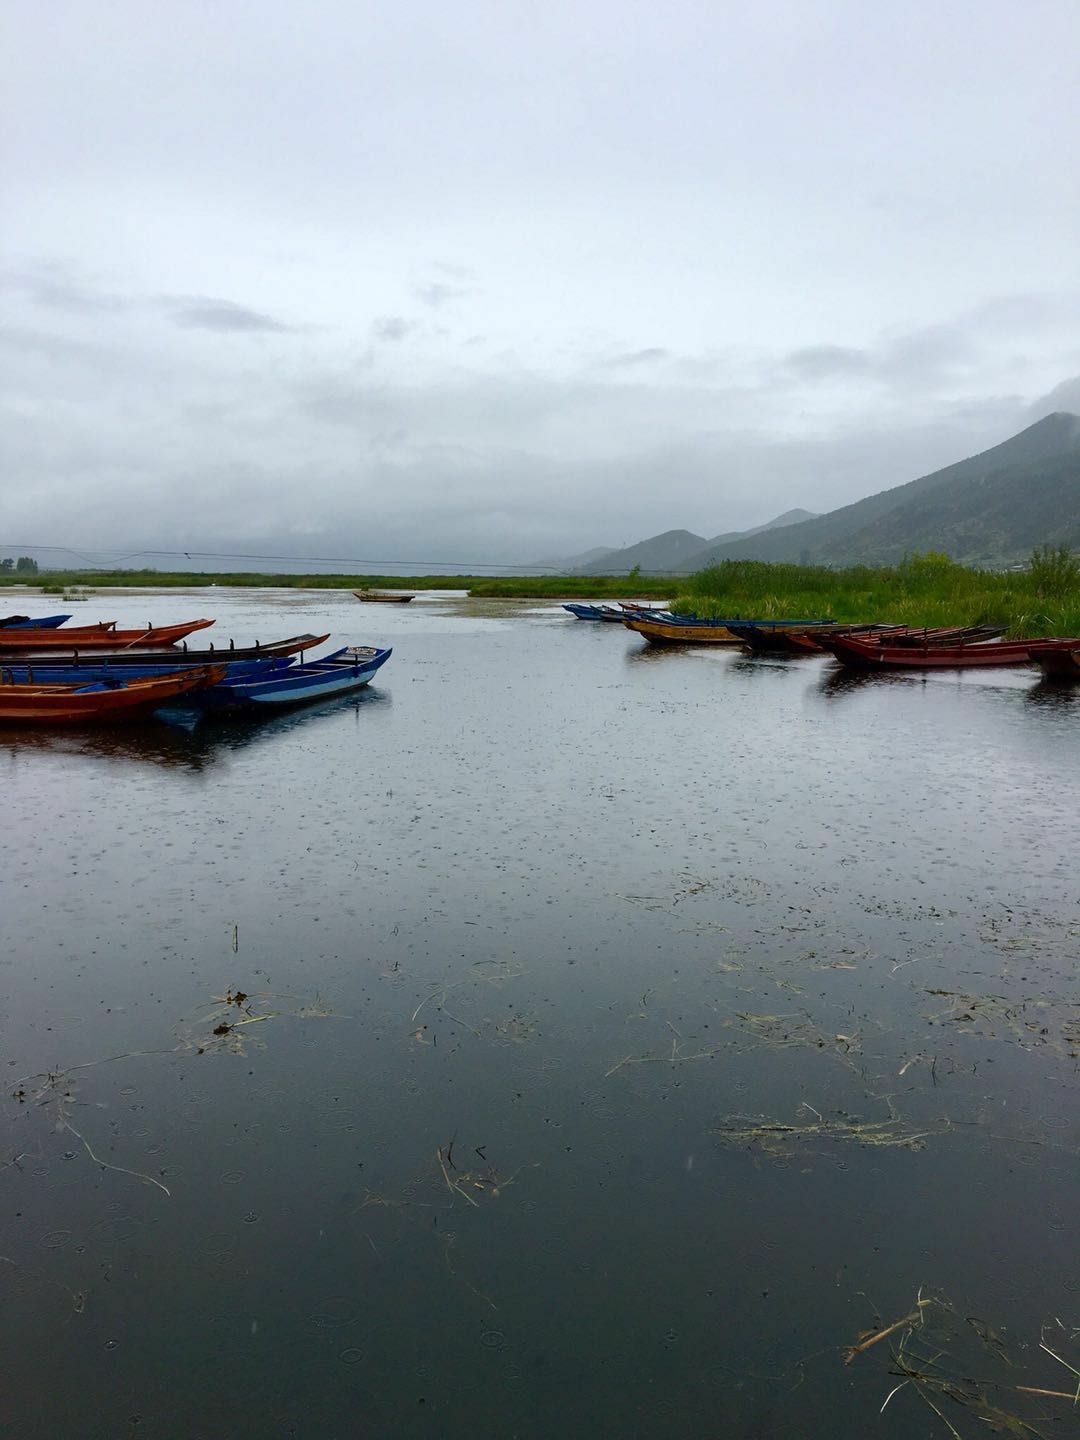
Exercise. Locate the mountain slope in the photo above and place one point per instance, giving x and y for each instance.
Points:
(832, 538)
(985, 519)
(789, 517)
(669, 551)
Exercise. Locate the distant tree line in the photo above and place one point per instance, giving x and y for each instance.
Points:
(24, 565)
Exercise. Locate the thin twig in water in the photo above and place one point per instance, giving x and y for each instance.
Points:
(105, 1165)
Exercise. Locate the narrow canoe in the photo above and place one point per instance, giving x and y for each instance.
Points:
(100, 702)
(99, 637)
(385, 597)
(699, 632)
(866, 655)
(663, 632)
(597, 612)
(177, 656)
(144, 665)
(337, 674)
(37, 622)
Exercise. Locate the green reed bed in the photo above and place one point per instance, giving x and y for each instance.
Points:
(925, 590)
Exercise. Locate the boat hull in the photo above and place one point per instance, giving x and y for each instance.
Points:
(337, 674)
(97, 637)
(1062, 661)
(36, 622)
(383, 597)
(659, 632)
(99, 703)
(129, 659)
(863, 655)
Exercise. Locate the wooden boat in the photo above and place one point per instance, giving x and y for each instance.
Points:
(99, 702)
(761, 637)
(868, 655)
(667, 632)
(180, 655)
(384, 597)
(98, 637)
(38, 622)
(682, 631)
(1058, 658)
(144, 665)
(337, 674)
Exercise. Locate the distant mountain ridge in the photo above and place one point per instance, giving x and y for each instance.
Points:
(674, 551)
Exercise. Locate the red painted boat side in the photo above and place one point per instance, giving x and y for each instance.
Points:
(77, 705)
(97, 637)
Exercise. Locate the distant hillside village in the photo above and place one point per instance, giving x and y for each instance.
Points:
(990, 510)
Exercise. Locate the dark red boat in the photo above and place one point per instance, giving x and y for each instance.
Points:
(1059, 658)
(865, 655)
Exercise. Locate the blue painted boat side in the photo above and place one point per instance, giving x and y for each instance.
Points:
(93, 674)
(40, 622)
(336, 674)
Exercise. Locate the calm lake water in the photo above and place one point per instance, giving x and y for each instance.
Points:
(563, 1037)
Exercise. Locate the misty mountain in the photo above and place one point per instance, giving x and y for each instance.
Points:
(675, 550)
(789, 517)
(989, 508)
(669, 551)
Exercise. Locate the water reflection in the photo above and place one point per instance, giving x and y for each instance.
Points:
(1054, 694)
(188, 739)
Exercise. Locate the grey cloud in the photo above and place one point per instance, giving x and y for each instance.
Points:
(392, 327)
(630, 358)
(824, 362)
(436, 293)
(1065, 396)
(205, 313)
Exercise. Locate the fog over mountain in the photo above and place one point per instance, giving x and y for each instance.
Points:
(483, 284)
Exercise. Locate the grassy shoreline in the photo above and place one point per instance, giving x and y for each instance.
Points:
(925, 590)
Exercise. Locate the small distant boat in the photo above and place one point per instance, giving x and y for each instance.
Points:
(131, 659)
(99, 701)
(98, 637)
(1058, 658)
(38, 622)
(384, 597)
(337, 674)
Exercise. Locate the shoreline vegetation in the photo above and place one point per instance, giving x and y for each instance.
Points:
(930, 589)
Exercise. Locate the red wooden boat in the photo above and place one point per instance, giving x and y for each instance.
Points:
(99, 703)
(98, 637)
(866, 655)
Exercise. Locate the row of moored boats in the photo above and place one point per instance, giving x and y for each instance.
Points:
(861, 647)
(52, 673)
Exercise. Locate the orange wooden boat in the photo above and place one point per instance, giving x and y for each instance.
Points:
(101, 702)
(98, 637)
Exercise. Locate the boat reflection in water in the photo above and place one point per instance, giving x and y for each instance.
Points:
(187, 739)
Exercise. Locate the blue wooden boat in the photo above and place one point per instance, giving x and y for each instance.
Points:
(346, 669)
(597, 612)
(41, 622)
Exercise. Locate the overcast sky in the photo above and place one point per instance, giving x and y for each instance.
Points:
(504, 280)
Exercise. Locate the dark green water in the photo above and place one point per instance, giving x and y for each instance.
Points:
(542, 941)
